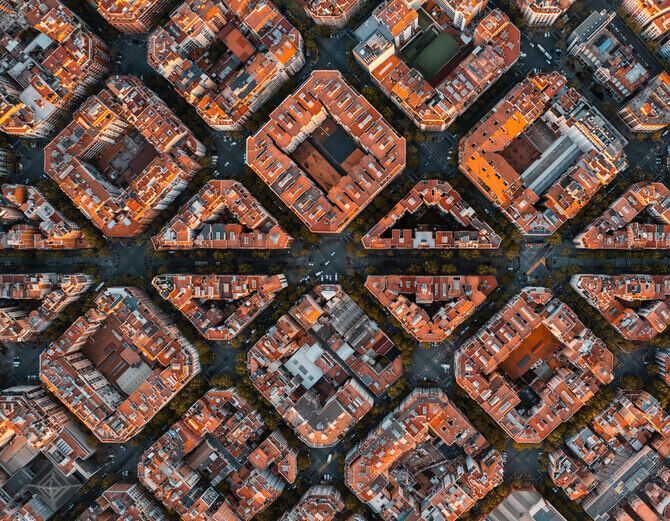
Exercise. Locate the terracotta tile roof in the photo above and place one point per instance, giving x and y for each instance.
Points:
(223, 436)
(399, 446)
(226, 86)
(435, 103)
(539, 189)
(378, 158)
(119, 364)
(637, 306)
(131, 16)
(448, 202)
(222, 215)
(538, 336)
(44, 76)
(54, 293)
(99, 146)
(193, 296)
(406, 295)
(615, 228)
(322, 364)
(32, 222)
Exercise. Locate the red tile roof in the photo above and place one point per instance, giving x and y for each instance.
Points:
(616, 229)
(222, 215)
(535, 333)
(99, 138)
(406, 295)
(448, 202)
(400, 446)
(269, 152)
(193, 296)
(637, 306)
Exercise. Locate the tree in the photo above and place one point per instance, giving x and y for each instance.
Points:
(224, 381)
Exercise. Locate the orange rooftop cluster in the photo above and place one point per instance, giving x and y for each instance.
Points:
(326, 152)
(130, 16)
(19, 323)
(533, 365)
(424, 461)
(48, 60)
(320, 503)
(119, 364)
(617, 466)
(543, 13)
(432, 70)
(649, 111)
(332, 13)
(222, 215)
(44, 456)
(620, 300)
(124, 502)
(541, 153)
(29, 222)
(322, 365)
(124, 157)
(651, 16)
(226, 57)
(620, 227)
(427, 230)
(219, 461)
(247, 295)
(435, 306)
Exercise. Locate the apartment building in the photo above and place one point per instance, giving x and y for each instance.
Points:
(623, 226)
(44, 456)
(451, 66)
(49, 59)
(425, 460)
(218, 462)
(323, 364)
(29, 222)
(649, 111)
(420, 206)
(194, 296)
(430, 308)
(541, 153)
(20, 319)
(533, 365)
(222, 215)
(635, 305)
(226, 58)
(326, 152)
(616, 466)
(124, 158)
(119, 364)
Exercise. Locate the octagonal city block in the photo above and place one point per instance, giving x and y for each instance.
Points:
(533, 365)
(326, 152)
(218, 461)
(542, 153)
(119, 364)
(123, 158)
(438, 218)
(322, 365)
(425, 440)
(226, 57)
(422, 56)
